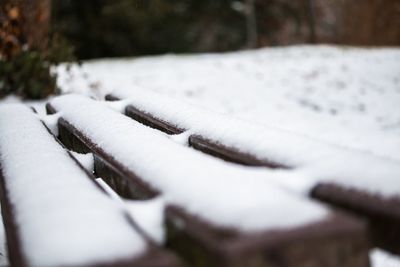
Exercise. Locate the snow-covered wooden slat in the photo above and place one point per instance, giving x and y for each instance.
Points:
(54, 214)
(150, 121)
(229, 153)
(218, 213)
(147, 119)
(359, 182)
(197, 142)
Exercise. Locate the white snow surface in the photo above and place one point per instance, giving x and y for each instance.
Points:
(224, 194)
(347, 97)
(380, 258)
(111, 193)
(341, 95)
(317, 160)
(344, 96)
(86, 160)
(3, 245)
(148, 214)
(51, 121)
(62, 218)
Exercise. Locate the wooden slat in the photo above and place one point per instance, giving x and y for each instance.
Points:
(151, 121)
(152, 257)
(383, 214)
(336, 241)
(230, 154)
(197, 142)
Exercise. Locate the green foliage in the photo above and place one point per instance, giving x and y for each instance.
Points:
(28, 74)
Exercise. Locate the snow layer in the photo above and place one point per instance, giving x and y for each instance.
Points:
(3, 245)
(111, 193)
(63, 219)
(148, 214)
(86, 160)
(342, 95)
(223, 194)
(51, 122)
(380, 258)
(318, 161)
(345, 96)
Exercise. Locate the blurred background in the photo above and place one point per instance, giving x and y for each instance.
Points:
(105, 28)
(35, 35)
(114, 28)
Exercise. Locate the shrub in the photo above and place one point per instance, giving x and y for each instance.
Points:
(28, 73)
(25, 65)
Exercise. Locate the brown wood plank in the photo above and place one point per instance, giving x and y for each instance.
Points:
(382, 214)
(152, 257)
(337, 241)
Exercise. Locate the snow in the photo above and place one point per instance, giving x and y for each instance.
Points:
(3, 245)
(225, 194)
(380, 258)
(38, 105)
(317, 160)
(65, 219)
(148, 214)
(347, 97)
(117, 105)
(182, 138)
(110, 191)
(341, 95)
(86, 160)
(51, 121)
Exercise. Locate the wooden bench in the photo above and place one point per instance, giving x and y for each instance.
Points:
(54, 213)
(373, 193)
(254, 222)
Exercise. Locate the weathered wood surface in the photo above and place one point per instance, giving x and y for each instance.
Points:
(383, 214)
(204, 244)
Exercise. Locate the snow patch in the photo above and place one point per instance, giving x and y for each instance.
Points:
(118, 106)
(380, 258)
(182, 138)
(3, 244)
(341, 95)
(51, 121)
(148, 214)
(110, 191)
(86, 160)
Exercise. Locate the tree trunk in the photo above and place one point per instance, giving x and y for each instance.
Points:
(310, 13)
(251, 24)
(36, 26)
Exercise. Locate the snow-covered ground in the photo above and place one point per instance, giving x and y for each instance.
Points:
(345, 96)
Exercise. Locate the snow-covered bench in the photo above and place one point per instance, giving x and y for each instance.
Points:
(218, 213)
(54, 213)
(354, 180)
